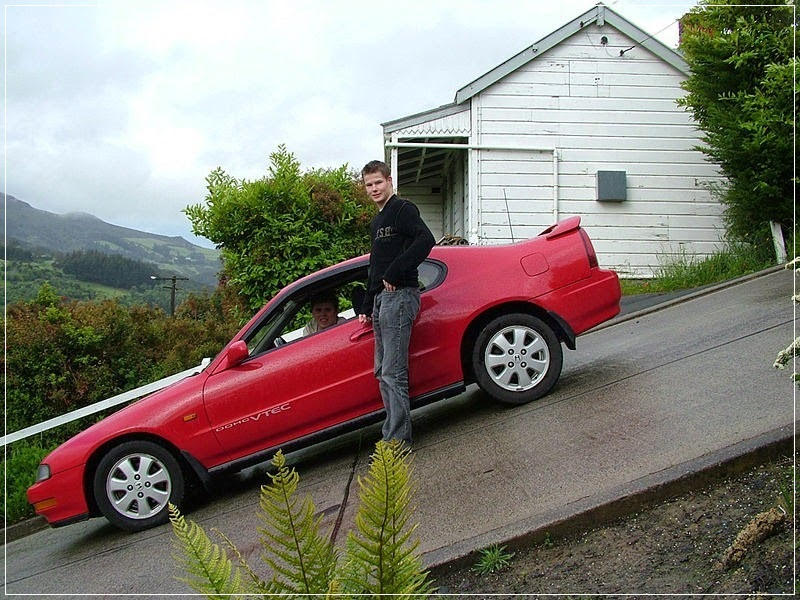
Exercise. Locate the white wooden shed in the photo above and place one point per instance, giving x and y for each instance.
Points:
(582, 122)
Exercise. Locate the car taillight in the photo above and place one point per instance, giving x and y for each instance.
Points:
(587, 243)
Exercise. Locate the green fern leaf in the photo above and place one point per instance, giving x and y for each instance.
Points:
(380, 559)
(302, 560)
(209, 570)
(257, 584)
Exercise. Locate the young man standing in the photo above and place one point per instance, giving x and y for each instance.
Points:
(400, 242)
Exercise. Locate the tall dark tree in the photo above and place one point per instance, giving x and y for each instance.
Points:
(741, 95)
(109, 269)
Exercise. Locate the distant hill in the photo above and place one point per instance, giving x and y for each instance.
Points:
(34, 228)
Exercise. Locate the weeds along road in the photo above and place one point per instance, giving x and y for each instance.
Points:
(635, 400)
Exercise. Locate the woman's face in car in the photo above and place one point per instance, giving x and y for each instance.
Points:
(324, 314)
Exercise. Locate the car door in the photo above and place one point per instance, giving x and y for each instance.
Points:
(430, 366)
(287, 392)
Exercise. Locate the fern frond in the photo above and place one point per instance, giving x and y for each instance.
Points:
(257, 584)
(210, 572)
(380, 558)
(302, 560)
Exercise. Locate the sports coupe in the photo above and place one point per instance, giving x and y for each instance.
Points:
(493, 315)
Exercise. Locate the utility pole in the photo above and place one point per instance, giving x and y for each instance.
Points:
(172, 287)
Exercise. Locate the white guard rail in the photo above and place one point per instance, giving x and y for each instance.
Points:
(102, 405)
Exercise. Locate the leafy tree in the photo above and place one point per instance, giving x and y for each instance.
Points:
(741, 94)
(284, 225)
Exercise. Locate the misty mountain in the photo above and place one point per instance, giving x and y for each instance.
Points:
(35, 228)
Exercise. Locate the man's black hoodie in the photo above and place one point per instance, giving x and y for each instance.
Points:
(400, 242)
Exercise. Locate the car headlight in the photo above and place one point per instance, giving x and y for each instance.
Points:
(43, 473)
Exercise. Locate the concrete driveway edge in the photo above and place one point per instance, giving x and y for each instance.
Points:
(702, 291)
(599, 509)
(24, 528)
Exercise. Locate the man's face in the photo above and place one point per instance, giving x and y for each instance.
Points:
(378, 187)
(324, 314)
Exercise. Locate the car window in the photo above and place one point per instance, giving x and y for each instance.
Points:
(262, 337)
(431, 274)
(288, 322)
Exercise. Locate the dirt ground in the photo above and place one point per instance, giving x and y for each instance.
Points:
(674, 547)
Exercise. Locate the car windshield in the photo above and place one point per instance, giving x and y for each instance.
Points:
(260, 339)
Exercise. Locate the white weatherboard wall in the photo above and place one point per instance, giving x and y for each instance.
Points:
(602, 111)
(455, 195)
(427, 195)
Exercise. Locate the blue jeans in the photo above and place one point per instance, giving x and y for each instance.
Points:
(392, 318)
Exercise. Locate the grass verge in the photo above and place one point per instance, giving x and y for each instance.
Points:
(22, 461)
(686, 271)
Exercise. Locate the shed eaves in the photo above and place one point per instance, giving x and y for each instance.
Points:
(426, 116)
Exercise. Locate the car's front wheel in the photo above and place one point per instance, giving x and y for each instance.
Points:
(134, 482)
(517, 358)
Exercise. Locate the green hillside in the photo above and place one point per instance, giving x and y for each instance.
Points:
(26, 274)
(34, 228)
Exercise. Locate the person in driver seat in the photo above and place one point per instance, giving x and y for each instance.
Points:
(324, 313)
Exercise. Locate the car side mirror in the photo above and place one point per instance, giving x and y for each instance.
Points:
(236, 353)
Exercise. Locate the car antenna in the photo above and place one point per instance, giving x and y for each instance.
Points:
(508, 213)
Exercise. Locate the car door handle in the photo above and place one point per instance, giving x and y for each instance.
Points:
(360, 334)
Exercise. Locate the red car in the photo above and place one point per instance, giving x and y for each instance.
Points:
(495, 315)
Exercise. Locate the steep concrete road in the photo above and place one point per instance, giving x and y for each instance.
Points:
(637, 400)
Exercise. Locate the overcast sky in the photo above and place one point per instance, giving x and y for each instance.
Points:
(121, 108)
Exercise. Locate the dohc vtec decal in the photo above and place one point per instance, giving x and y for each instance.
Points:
(264, 413)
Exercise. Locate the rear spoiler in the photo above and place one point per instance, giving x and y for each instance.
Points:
(561, 228)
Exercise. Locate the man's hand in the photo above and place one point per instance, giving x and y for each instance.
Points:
(364, 319)
(388, 286)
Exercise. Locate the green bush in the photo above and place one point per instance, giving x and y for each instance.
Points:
(23, 459)
(63, 355)
(281, 227)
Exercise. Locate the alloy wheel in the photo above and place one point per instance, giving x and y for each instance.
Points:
(516, 358)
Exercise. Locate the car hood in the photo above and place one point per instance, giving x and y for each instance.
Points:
(146, 415)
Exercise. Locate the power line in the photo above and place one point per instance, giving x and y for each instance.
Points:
(622, 52)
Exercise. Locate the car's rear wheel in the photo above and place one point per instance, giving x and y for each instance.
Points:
(517, 358)
(135, 481)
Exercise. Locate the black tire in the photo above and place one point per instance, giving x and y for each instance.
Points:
(134, 483)
(517, 358)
